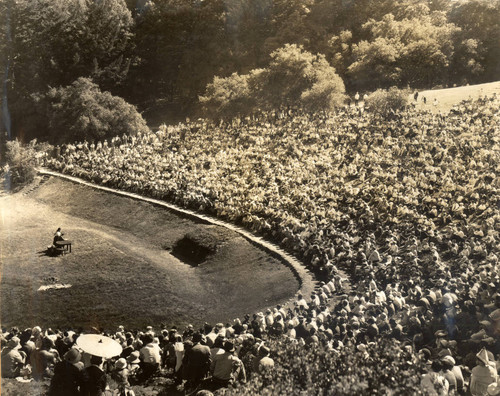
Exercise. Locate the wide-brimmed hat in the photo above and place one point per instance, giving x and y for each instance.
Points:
(448, 359)
(134, 358)
(493, 389)
(121, 364)
(495, 315)
(73, 356)
(14, 343)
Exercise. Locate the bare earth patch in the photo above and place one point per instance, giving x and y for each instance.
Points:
(121, 270)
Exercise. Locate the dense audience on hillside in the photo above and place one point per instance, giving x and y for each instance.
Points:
(407, 205)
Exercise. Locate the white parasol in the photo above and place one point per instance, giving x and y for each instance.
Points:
(99, 345)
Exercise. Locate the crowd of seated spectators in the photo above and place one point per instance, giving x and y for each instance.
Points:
(407, 205)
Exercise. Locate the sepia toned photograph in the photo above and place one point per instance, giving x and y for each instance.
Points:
(250, 197)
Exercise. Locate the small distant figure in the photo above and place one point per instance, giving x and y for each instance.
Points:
(356, 98)
(435, 103)
(415, 96)
(425, 100)
(58, 236)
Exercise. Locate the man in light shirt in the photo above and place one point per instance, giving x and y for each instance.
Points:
(150, 357)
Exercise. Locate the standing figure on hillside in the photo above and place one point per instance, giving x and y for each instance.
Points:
(356, 98)
(415, 96)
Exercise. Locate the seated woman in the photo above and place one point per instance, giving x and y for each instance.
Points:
(58, 236)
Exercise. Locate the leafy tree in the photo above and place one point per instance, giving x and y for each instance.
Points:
(227, 97)
(297, 77)
(294, 77)
(81, 111)
(249, 24)
(181, 45)
(56, 41)
(478, 57)
(414, 51)
(73, 38)
(289, 24)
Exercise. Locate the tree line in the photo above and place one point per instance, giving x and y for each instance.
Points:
(87, 62)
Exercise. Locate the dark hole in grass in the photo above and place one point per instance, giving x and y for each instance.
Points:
(191, 252)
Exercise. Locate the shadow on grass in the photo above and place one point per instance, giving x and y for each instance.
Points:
(49, 252)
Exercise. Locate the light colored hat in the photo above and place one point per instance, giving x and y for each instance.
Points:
(134, 358)
(121, 364)
(36, 331)
(448, 359)
(493, 389)
(495, 315)
(14, 343)
(483, 356)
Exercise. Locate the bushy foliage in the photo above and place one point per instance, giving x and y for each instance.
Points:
(294, 77)
(81, 111)
(21, 162)
(383, 367)
(415, 50)
(383, 101)
(297, 77)
(73, 38)
(161, 54)
(54, 42)
(226, 97)
(478, 55)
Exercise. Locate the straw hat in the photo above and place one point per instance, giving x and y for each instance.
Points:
(121, 364)
(134, 358)
(493, 389)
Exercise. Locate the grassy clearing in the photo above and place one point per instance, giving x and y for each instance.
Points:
(447, 98)
(121, 270)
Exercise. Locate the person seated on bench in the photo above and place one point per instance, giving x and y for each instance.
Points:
(58, 236)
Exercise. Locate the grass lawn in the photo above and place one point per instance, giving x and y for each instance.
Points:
(447, 98)
(121, 270)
